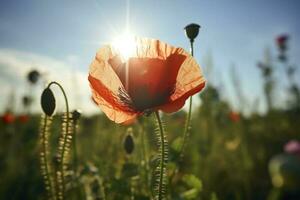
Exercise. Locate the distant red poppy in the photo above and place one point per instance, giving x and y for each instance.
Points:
(8, 118)
(157, 77)
(23, 118)
(282, 39)
(282, 42)
(234, 116)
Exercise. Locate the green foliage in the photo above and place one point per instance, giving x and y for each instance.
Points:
(194, 183)
(223, 159)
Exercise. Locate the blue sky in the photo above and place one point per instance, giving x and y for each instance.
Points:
(67, 34)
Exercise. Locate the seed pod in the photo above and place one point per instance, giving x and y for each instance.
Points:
(192, 31)
(48, 102)
(26, 100)
(33, 76)
(129, 142)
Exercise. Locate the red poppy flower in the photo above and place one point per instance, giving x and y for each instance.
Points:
(8, 118)
(234, 116)
(23, 118)
(156, 76)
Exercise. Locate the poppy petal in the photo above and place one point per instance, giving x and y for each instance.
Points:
(105, 86)
(106, 101)
(189, 82)
(176, 105)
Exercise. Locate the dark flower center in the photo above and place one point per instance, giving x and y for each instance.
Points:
(148, 82)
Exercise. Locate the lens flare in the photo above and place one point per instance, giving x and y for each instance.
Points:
(125, 45)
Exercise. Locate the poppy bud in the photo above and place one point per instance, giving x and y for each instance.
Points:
(192, 31)
(48, 102)
(33, 76)
(267, 71)
(129, 142)
(282, 57)
(26, 100)
(76, 114)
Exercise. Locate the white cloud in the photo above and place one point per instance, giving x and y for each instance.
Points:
(14, 66)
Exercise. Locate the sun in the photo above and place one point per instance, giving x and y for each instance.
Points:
(125, 45)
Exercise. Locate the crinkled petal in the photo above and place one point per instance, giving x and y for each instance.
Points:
(189, 82)
(157, 76)
(177, 104)
(105, 86)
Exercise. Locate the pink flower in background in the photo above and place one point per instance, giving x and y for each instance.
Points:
(292, 147)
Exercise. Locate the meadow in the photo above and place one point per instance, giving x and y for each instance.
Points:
(227, 155)
(133, 150)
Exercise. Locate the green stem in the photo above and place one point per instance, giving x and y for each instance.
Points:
(162, 157)
(75, 148)
(131, 189)
(67, 130)
(76, 159)
(188, 119)
(187, 128)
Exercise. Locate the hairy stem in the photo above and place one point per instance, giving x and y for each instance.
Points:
(162, 157)
(75, 147)
(67, 130)
(47, 178)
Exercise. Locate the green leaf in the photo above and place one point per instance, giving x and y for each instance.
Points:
(192, 181)
(177, 144)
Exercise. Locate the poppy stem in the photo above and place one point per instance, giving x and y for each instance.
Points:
(44, 156)
(65, 137)
(187, 126)
(75, 147)
(163, 158)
